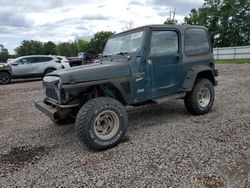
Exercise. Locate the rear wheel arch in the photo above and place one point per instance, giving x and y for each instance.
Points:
(195, 74)
(48, 70)
(207, 74)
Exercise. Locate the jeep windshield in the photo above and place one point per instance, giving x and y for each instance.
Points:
(124, 44)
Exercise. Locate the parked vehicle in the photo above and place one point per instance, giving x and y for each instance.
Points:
(28, 67)
(83, 58)
(9, 60)
(150, 64)
(64, 61)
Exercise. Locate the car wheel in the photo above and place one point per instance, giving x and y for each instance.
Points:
(47, 71)
(5, 78)
(200, 100)
(101, 123)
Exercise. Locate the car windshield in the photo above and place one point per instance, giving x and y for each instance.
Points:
(127, 43)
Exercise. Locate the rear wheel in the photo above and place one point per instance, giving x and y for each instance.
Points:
(101, 123)
(200, 100)
(5, 78)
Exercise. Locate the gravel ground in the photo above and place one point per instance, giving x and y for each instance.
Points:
(164, 146)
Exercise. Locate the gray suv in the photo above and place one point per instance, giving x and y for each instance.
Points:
(28, 67)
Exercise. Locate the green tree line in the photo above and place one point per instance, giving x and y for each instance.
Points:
(228, 21)
(34, 47)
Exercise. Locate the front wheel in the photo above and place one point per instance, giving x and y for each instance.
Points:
(101, 123)
(200, 100)
(5, 78)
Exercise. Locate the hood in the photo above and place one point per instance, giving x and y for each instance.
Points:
(93, 72)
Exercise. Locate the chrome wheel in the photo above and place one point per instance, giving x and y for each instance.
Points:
(106, 124)
(204, 97)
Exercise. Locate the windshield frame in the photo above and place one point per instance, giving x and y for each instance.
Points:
(144, 33)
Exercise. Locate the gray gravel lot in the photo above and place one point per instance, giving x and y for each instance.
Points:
(164, 146)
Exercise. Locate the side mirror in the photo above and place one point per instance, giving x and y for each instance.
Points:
(15, 64)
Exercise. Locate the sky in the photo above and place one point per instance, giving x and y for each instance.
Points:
(68, 20)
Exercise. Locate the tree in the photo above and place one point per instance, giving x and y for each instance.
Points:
(49, 48)
(99, 40)
(4, 54)
(82, 46)
(67, 49)
(31, 47)
(227, 21)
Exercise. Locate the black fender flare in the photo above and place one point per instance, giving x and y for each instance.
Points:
(122, 85)
(202, 71)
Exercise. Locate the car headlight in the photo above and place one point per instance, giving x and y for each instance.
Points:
(52, 86)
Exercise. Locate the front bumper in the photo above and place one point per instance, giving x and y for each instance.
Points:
(216, 73)
(55, 110)
(47, 110)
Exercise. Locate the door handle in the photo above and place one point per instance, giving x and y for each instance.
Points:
(139, 74)
(177, 58)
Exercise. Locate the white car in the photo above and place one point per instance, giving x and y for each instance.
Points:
(64, 61)
(29, 66)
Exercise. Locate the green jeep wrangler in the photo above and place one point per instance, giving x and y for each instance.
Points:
(149, 64)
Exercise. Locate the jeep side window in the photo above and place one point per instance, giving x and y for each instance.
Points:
(164, 43)
(196, 42)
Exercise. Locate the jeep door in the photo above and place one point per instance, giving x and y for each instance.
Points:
(165, 65)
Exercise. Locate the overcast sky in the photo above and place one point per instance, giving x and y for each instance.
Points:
(64, 20)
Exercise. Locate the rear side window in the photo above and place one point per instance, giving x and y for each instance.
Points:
(164, 43)
(196, 42)
(46, 59)
(41, 59)
(36, 59)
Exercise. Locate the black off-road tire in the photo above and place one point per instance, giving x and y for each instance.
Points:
(87, 120)
(5, 78)
(192, 98)
(49, 70)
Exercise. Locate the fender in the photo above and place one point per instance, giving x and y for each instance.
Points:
(6, 68)
(123, 85)
(201, 71)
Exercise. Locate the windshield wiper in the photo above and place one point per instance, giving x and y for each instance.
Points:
(107, 56)
(122, 53)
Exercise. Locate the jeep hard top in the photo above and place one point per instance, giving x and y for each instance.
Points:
(149, 64)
